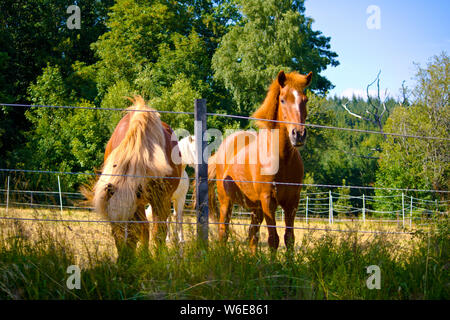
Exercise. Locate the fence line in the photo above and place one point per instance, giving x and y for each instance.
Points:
(225, 180)
(314, 207)
(195, 223)
(201, 114)
(234, 117)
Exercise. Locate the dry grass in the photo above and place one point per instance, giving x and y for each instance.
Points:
(34, 256)
(93, 238)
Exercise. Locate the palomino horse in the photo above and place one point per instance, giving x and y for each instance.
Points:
(138, 151)
(187, 150)
(247, 166)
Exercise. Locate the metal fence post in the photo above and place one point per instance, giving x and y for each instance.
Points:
(403, 209)
(201, 170)
(364, 209)
(307, 209)
(330, 214)
(7, 197)
(60, 196)
(410, 212)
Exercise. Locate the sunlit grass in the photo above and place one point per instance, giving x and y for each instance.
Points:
(34, 257)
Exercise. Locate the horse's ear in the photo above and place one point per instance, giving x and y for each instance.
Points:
(281, 78)
(308, 78)
(191, 139)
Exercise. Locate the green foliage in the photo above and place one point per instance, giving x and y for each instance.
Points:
(178, 97)
(343, 202)
(67, 140)
(136, 30)
(33, 33)
(274, 35)
(419, 163)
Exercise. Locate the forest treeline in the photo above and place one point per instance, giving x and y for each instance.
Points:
(226, 51)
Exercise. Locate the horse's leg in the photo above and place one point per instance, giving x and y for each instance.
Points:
(117, 231)
(179, 206)
(268, 207)
(144, 226)
(224, 219)
(169, 227)
(253, 233)
(289, 218)
(124, 238)
(161, 211)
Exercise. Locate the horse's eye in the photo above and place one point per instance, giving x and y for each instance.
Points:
(282, 101)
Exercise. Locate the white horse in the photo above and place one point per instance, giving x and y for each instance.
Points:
(187, 150)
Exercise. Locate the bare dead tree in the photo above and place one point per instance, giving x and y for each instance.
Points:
(376, 109)
(405, 95)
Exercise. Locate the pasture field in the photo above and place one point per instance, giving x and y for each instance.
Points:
(34, 256)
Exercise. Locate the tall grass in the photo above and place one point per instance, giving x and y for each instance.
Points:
(330, 266)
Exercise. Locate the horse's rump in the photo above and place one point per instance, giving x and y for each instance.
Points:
(122, 185)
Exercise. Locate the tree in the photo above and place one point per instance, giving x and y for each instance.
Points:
(420, 163)
(376, 109)
(153, 47)
(273, 36)
(67, 140)
(343, 204)
(34, 33)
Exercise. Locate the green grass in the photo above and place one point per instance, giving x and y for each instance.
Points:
(332, 266)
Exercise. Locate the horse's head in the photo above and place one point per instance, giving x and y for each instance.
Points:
(286, 101)
(292, 105)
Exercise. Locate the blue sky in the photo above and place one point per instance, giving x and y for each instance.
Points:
(410, 31)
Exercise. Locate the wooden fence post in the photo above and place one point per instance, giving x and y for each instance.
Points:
(201, 170)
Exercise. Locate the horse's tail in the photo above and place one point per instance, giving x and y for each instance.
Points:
(141, 153)
(212, 201)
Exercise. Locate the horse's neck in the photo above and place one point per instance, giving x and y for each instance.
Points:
(285, 147)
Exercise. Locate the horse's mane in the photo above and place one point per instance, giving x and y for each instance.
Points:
(269, 108)
(140, 153)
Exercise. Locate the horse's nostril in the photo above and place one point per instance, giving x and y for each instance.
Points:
(294, 132)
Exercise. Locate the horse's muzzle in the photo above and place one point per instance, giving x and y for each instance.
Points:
(298, 138)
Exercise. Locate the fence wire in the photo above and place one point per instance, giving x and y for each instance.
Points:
(336, 208)
(233, 117)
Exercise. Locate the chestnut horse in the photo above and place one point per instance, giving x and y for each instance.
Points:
(247, 166)
(138, 150)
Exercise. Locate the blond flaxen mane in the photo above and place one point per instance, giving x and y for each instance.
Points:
(125, 172)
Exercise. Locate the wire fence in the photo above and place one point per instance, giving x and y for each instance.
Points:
(317, 209)
(233, 117)
(323, 206)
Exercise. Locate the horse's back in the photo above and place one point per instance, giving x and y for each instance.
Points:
(120, 133)
(238, 162)
(250, 175)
